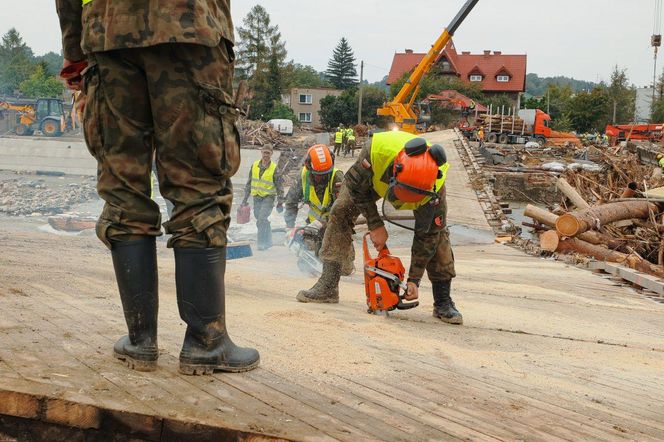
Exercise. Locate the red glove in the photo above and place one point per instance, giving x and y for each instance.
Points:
(71, 73)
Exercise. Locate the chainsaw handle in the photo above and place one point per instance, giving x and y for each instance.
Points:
(406, 305)
(384, 251)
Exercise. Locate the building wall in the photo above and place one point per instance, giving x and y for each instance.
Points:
(643, 104)
(305, 103)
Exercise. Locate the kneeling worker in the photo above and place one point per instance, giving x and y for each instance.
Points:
(409, 174)
(317, 186)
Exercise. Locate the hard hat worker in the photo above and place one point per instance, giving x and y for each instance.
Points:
(179, 104)
(264, 185)
(409, 174)
(317, 186)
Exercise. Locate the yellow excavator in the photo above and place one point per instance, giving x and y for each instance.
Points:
(402, 107)
(44, 114)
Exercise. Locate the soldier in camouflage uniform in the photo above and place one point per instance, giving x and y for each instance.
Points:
(373, 176)
(159, 78)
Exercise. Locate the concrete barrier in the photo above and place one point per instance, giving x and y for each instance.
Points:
(32, 154)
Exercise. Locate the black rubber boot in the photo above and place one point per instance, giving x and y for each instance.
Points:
(326, 289)
(199, 278)
(135, 264)
(443, 306)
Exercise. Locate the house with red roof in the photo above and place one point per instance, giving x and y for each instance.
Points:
(496, 72)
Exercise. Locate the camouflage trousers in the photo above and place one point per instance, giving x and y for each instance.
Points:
(262, 210)
(431, 251)
(173, 103)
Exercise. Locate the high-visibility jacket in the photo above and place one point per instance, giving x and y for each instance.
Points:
(384, 149)
(318, 210)
(351, 135)
(661, 162)
(339, 137)
(263, 185)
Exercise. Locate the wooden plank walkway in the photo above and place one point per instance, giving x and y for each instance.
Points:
(547, 352)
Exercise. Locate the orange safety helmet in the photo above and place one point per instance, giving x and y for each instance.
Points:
(319, 160)
(416, 169)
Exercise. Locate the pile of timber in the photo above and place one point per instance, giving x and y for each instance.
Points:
(509, 123)
(624, 230)
(259, 133)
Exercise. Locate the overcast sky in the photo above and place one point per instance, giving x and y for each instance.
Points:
(583, 39)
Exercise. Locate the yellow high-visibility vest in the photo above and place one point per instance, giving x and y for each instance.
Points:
(339, 137)
(384, 149)
(263, 185)
(85, 2)
(661, 162)
(317, 210)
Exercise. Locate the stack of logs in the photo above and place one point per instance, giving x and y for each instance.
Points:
(625, 230)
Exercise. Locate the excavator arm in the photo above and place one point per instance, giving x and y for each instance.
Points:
(401, 107)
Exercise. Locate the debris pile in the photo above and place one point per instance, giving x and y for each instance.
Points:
(259, 134)
(615, 215)
(35, 197)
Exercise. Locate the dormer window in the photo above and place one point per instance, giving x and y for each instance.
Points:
(502, 78)
(476, 78)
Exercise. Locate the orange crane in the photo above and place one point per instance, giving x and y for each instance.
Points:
(401, 107)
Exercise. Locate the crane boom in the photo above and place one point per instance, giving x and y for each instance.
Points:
(400, 108)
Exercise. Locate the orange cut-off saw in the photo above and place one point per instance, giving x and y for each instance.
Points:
(384, 280)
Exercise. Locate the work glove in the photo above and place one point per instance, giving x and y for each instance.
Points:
(280, 207)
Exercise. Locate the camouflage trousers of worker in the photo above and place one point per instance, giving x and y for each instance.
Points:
(263, 206)
(173, 103)
(431, 251)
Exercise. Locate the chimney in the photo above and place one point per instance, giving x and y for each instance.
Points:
(487, 52)
(409, 51)
(497, 52)
(465, 53)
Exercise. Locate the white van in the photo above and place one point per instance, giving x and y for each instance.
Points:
(282, 126)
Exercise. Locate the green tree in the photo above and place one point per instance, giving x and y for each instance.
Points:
(282, 111)
(338, 110)
(258, 39)
(40, 84)
(15, 62)
(622, 95)
(341, 70)
(53, 61)
(373, 97)
(589, 111)
(297, 75)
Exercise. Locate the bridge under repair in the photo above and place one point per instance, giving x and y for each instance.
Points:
(547, 352)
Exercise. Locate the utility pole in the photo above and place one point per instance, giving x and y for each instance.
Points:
(656, 42)
(359, 110)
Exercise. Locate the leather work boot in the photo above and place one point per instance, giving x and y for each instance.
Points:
(443, 306)
(199, 279)
(326, 289)
(135, 264)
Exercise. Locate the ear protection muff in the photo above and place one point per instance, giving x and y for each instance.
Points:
(416, 146)
(438, 153)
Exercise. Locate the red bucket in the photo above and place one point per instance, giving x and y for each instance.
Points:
(243, 214)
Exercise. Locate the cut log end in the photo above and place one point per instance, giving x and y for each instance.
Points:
(568, 225)
(549, 241)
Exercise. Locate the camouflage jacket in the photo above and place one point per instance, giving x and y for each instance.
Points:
(104, 25)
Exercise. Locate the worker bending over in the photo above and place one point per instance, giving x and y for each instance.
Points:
(409, 174)
(264, 185)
